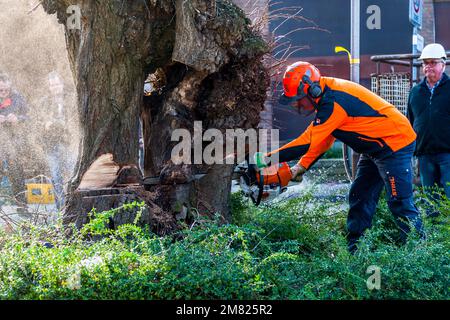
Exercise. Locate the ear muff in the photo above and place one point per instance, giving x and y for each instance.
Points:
(314, 89)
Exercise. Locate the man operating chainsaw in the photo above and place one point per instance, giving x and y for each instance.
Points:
(369, 125)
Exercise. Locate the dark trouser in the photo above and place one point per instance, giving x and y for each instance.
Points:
(435, 173)
(395, 174)
(15, 174)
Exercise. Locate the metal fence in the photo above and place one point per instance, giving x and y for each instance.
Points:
(394, 88)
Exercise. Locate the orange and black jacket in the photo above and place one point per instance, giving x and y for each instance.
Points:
(353, 114)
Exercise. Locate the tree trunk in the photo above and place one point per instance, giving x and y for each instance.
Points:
(211, 62)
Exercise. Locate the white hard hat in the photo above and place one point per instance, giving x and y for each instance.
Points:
(433, 51)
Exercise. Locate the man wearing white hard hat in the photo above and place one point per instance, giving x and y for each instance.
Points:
(429, 113)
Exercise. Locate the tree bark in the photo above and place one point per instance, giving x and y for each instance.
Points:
(212, 65)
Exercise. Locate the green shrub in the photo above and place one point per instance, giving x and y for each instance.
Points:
(295, 249)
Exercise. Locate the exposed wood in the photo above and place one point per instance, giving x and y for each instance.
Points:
(210, 61)
(101, 174)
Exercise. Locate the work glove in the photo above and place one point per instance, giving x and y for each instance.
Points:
(297, 172)
(261, 160)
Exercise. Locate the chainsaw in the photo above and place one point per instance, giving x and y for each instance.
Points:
(256, 184)
(260, 184)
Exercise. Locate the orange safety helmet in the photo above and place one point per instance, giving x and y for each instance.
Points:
(300, 80)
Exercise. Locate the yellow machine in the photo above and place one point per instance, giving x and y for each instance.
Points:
(40, 190)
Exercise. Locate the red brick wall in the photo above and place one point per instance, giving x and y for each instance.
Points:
(428, 24)
(442, 15)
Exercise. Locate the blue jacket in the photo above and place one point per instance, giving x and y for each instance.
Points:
(430, 117)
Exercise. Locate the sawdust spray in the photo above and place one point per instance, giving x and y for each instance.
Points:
(32, 45)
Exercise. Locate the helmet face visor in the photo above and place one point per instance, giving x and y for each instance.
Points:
(286, 101)
(304, 105)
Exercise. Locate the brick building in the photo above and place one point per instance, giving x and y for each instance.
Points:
(323, 24)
